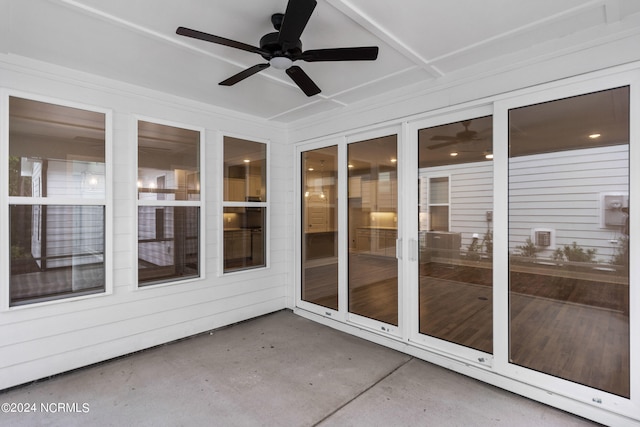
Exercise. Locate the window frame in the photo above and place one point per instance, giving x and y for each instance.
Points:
(168, 203)
(7, 201)
(266, 205)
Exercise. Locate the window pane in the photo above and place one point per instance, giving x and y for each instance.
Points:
(56, 252)
(373, 225)
(168, 162)
(456, 232)
(244, 240)
(55, 151)
(168, 243)
(569, 239)
(320, 226)
(245, 170)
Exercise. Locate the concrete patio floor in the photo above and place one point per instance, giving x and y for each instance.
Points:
(275, 370)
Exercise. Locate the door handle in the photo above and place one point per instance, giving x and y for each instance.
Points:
(413, 250)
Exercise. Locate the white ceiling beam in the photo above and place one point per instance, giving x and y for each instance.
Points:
(377, 29)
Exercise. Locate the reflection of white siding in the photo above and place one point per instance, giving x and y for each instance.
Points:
(75, 235)
(78, 179)
(561, 191)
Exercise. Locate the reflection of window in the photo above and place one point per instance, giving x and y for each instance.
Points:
(56, 157)
(245, 204)
(168, 203)
(438, 203)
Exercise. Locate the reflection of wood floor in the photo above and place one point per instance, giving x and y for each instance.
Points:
(574, 340)
(320, 285)
(373, 287)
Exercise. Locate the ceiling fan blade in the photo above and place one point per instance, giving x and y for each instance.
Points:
(303, 81)
(369, 53)
(442, 144)
(295, 20)
(219, 40)
(443, 138)
(244, 74)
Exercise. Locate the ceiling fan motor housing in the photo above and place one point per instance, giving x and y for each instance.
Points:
(269, 43)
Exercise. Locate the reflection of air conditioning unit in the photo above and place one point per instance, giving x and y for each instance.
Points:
(543, 238)
(443, 245)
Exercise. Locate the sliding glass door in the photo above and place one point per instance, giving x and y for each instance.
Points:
(569, 239)
(455, 232)
(319, 218)
(373, 228)
(504, 248)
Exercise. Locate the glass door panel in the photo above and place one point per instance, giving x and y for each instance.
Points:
(320, 226)
(569, 239)
(455, 214)
(373, 228)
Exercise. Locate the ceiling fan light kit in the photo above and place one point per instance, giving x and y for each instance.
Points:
(283, 47)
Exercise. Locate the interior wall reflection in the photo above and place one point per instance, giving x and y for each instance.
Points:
(373, 228)
(569, 239)
(320, 226)
(455, 216)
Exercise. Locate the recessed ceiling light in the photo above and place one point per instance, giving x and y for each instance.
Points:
(310, 169)
(247, 160)
(453, 153)
(349, 165)
(488, 156)
(594, 135)
(394, 160)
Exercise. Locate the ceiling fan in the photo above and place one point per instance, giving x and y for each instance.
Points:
(283, 47)
(463, 136)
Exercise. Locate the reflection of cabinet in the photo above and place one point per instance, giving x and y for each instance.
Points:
(240, 190)
(237, 244)
(380, 194)
(376, 241)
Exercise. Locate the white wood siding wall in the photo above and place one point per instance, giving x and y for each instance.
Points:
(39, 341)
(561, 191)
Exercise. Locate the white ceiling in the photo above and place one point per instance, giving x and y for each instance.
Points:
(421, 43)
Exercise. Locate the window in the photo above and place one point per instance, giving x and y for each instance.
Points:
(57, 201)
(437, 206)
(245, 204)
(169, 203)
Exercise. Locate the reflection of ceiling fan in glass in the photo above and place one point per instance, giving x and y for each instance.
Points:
(466, 135)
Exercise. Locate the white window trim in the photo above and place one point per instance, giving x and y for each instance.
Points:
(6, 200)
(266, 233)
(170, 203)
